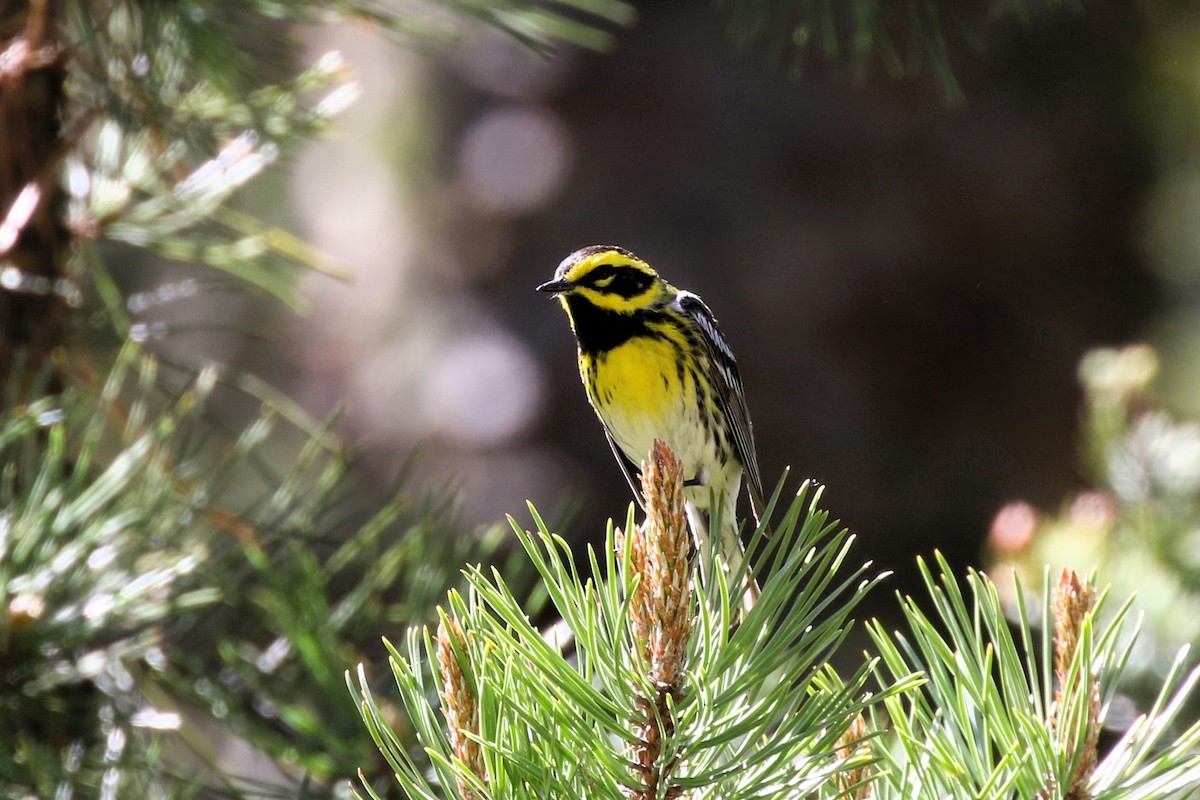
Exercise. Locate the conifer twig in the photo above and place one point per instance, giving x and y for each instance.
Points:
(1073, 601)
(660, 615)
(855, 783)
(658, 701)
(459, 703)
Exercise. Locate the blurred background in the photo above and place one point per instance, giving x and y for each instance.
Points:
(909, 282)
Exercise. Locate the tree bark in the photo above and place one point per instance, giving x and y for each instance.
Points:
(33, 246)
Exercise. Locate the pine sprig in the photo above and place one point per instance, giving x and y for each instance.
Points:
(661, 700)
(974, 704)
(156, 576)
(95, 557)
(170, 108)
(1004, 713)
(661, 621)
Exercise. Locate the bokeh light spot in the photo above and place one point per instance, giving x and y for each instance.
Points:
(481, 390)
(514, 161)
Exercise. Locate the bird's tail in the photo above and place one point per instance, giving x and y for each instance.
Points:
(726, 553)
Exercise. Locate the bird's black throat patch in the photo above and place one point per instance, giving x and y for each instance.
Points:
(599, 330)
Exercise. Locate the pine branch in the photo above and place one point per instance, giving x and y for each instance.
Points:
(155, 576)
(1073, 601)
(660, 618)
(977, 705)
(138, 122)
(1003, 714)
(663, 698)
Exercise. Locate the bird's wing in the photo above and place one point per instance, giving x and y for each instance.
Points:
(731, 397)
(628, 467)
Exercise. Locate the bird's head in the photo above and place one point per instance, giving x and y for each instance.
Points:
(609, 278)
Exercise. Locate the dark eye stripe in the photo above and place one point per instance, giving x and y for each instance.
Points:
(599, 274)
(625, 281)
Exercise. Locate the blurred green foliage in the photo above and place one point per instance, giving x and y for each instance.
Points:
(1139, 524)
(903, 38)
(173, 107)
(155, 574)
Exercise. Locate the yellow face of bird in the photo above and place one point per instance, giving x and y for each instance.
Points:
(609, 278)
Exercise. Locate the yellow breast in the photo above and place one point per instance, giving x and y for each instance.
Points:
(640, 394)
(638, 377)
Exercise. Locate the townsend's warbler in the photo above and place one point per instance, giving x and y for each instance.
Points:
(655, 366)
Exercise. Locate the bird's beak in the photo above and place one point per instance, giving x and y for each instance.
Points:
(555, 287)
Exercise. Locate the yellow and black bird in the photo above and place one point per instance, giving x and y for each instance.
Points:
(655, 366)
